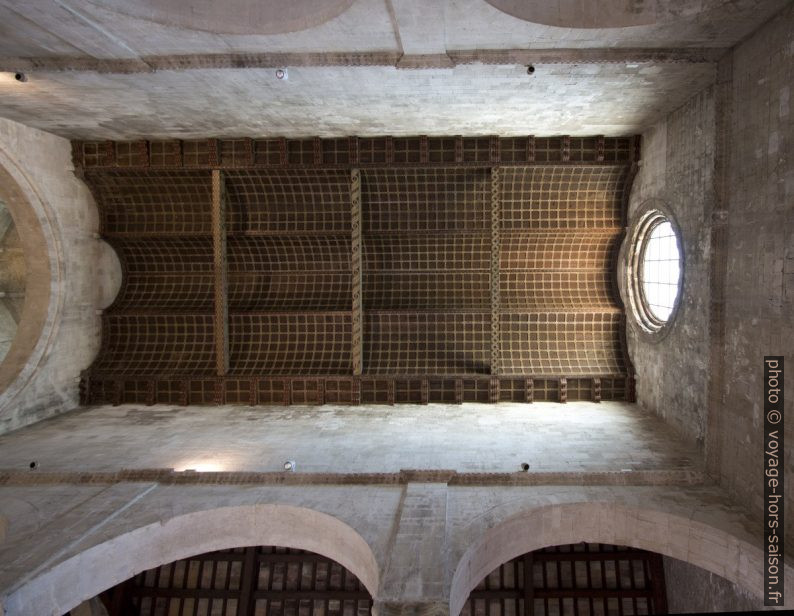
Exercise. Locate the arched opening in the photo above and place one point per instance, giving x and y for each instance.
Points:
(574, 579)
(708, 547)
(62, 587)
(257, 580)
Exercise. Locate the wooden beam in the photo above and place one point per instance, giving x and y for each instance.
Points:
(220, 267)
(565, 593)
(529, 585)
(658, 585)
(248, 581)
(357, 316)
(496, 217)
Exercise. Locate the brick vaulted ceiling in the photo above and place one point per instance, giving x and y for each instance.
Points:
(362, 269)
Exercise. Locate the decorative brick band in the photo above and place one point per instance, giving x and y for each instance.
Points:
(166, 476)
(353, 152)
(496, 307)
(357, 317)
(221, 294)
(351, 390)
(147, 64)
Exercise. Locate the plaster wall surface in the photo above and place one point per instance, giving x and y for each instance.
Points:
(550, 437)
(691, 589)
(68, 542)
(677, 173)
(351, 75)
(89, 28)
(759, 281)
(78, 286)
(612, 99)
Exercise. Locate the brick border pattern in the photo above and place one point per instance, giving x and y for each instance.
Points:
(350, 390)
(352, 152)
(167, 476)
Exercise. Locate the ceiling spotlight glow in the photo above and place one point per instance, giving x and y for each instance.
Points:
(281, 73)
(289, 465)
(199, 466)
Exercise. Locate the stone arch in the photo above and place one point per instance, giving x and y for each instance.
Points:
(578, 14)
(43, 291)
(233, 17)
(97, 568)
(687, 539)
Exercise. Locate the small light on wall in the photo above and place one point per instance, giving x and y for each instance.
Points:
(289, 466)
(282, 74)
(20, 77)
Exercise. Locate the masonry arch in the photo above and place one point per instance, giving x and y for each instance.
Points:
(97, 568)
(43, 289)
(698, 543)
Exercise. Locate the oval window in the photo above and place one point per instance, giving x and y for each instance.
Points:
(657, 271)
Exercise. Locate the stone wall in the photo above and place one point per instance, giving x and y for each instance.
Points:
(759, 269)
(420, 544)
(722, 164)
(691, 589)
(677, 172)
(83, 275)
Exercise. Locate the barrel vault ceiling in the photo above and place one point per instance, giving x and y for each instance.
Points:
(362, 269)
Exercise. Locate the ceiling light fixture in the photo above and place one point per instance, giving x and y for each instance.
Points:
(289, 466)
(530, 69)
(282, 74)
(20, 77)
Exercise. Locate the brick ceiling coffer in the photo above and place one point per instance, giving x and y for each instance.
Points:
(362, 269)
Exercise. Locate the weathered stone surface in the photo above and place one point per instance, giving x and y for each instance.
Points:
(85, 275)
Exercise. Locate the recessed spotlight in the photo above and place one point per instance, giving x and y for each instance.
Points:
(20, 77)
(524, 467)
(33, 465)
(530, 69)
(289, 466)
(282, 74)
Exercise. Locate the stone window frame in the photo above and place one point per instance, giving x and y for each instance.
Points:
(645, 219)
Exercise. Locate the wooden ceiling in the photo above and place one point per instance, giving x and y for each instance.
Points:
(362, 269)
(581, 579)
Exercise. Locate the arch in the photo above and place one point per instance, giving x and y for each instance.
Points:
(85, 575)
(578, 14)
(43, 289)
(233, 17)
(686, 539)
